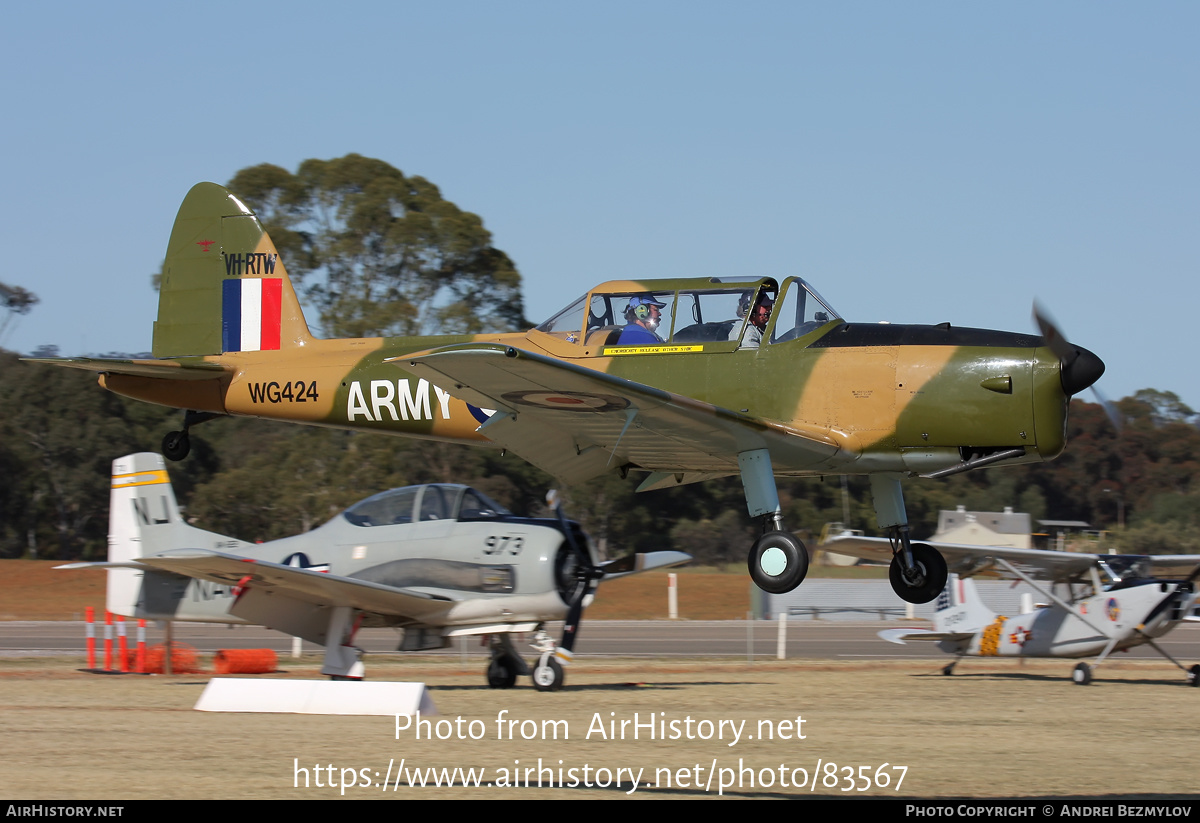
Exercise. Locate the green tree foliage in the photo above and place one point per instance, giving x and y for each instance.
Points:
(16, 301)
(382, 253)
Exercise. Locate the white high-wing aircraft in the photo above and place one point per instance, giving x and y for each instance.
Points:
(1110, 603)
(437, 561)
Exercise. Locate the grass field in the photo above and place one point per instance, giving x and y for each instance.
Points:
(987, 733)
(991, 731)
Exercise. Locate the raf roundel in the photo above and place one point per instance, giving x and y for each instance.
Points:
(568, 400)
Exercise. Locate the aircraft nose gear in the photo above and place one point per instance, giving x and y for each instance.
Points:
(778, 562)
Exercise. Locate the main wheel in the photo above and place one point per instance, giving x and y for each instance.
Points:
(550, 677)
(930, 578)
(778, 562)
(1082, 674)
(501, 673)
(176, 445)
(1194, 675)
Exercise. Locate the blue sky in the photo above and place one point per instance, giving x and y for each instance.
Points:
(918, 162)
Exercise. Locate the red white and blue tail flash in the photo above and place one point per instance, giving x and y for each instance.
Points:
(250, 314)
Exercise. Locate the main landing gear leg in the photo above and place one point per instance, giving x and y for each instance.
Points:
(176, 445)
(505, 664)
(918, 571)
(778, 560)
(343, 661)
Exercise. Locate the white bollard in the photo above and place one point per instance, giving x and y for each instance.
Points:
(672, 596)
(781, 638)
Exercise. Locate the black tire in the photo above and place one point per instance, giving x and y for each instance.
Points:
(176, 445)
(1082, 674)
(948, 670)
(778, 562)
(933, 575)
(1194, 675)
(548, 678)
(501, 673)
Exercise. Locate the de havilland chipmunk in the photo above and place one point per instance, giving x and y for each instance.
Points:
(684, 380)
(1110, 603)
(438, 561)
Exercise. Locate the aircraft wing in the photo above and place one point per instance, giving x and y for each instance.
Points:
(318, 588)
(162, 369)
(637, 563)
(576, 423)
(967, 561)
(1174, 565)
(1059, 567)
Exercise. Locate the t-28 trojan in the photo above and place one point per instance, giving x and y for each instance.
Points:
(683, 380)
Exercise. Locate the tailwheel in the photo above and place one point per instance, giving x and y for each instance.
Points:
(1082, 674)
(176, 445)
(948, 669)
(778, 562)
(502, 672)
(548, 674)
(925, 580)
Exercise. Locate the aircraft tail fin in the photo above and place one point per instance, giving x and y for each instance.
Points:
(224, 288)
(959, 607)
(143, 519)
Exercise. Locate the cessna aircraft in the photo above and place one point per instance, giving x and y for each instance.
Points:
(685, 380)
(438, 561)
(1111, 603)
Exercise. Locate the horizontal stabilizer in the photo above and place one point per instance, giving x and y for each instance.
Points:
(160, 369)
(902, 636)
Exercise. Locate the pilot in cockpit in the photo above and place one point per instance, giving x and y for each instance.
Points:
(642, 315)
(752, 336)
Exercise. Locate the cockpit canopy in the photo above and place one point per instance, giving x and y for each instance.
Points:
(694, 310)
(416, 504)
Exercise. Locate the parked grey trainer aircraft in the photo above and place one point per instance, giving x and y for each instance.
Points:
(436, 561)
(1111, 603)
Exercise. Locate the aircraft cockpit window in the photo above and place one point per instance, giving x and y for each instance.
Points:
(611, 315)
(433, 504)
(714, 316)
(388, 508)
(800, 311)
(569, 320)
(476, 506)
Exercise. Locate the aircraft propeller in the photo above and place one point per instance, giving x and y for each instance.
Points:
(548, 674)
(1080, 367)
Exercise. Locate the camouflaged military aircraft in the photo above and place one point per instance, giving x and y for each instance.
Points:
(438, 561)
(697, 391)
(1111, 603)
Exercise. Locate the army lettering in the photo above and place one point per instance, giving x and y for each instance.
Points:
(385, 400)
(253, 263)
(298, 392)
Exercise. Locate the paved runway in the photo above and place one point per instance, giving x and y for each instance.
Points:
(613, 638)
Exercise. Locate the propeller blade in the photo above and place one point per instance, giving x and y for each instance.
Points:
(585, 572)
(1110, 409)
(1079, 368)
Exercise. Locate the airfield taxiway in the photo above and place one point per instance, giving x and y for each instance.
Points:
(606, 638)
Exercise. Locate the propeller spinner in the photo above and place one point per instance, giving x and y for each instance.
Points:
(1080, 368)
